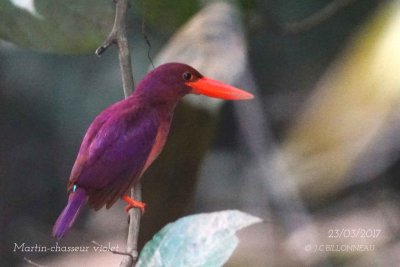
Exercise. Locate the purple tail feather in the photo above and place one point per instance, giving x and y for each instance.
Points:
(76, 200)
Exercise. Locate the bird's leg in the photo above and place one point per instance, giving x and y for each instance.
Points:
(133, 204)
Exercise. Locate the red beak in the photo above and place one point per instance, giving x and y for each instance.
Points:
(216, 89)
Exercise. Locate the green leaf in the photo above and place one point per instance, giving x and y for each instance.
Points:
(62, 26)
(198, 240)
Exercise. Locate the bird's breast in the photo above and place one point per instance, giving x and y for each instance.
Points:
(159, 142)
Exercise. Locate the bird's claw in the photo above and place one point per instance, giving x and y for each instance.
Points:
(134, 204)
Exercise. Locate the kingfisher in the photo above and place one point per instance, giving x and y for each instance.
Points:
(125, 139)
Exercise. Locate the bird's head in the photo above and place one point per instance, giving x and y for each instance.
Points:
(172, 81)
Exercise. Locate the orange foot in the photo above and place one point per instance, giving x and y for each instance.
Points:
(133, 204)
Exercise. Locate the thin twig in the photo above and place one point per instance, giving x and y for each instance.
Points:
(309, 22)
(146, 38)
(318, 17)
(33, 263)
(118, 37)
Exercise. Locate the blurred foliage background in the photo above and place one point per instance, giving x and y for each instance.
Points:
(317, 150)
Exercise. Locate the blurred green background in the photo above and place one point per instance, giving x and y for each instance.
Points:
(325, 158)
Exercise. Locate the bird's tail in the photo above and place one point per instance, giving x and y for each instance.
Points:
(76, 200)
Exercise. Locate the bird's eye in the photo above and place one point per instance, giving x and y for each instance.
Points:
(187, 76)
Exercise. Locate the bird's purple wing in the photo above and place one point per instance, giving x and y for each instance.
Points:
(91, 133)
(114, 152)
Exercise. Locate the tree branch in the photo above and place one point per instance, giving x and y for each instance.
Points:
(118, 37)
(133, 229)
